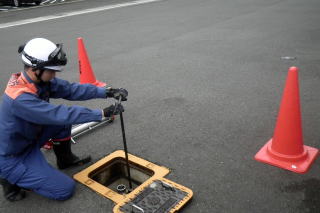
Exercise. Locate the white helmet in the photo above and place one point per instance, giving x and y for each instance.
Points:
(40, 53)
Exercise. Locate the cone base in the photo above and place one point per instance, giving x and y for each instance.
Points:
(99, 84)
(301, 166)
(96, 83)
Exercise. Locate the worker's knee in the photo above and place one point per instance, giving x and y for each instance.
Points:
(65, 192)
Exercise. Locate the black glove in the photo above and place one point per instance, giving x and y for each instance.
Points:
(117, 93)
(113, 110)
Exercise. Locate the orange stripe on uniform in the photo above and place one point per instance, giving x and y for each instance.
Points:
(18, 85)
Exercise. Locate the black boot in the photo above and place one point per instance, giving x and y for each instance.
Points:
(65, 157)
(12, 192)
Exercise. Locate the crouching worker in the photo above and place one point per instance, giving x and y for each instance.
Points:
(28, 120)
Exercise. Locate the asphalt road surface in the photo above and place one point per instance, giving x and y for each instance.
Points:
(205, 80)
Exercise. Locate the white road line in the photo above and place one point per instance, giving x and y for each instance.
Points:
(75, 13)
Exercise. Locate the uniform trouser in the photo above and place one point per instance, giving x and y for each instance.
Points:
(35, 173)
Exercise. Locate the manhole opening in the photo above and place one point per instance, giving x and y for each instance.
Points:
(114, 174)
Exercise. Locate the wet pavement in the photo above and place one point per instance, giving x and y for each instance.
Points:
(310, 189)
(205, 80)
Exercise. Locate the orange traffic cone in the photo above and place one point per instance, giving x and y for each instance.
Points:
(86, 73)
(286, 149)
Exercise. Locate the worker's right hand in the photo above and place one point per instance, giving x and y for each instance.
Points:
(116, 93)
(114, 109)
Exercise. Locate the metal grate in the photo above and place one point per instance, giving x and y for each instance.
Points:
(158, 197)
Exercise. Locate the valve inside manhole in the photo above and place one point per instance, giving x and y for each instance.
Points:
(121, 188)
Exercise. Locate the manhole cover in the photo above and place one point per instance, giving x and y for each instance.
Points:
(158, 197)
(153, 200)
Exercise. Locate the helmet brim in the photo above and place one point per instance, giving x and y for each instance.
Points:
(54, 68)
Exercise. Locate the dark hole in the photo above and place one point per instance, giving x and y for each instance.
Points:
(114, 173)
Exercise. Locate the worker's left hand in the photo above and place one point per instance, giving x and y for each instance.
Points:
(117, 93)
(114, 109)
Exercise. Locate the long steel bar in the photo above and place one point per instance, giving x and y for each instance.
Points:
(125, 147)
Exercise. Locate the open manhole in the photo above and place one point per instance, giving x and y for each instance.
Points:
(109, 177)
(151, 192)
(114, 175)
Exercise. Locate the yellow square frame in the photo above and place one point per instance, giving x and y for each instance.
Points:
(83, 176)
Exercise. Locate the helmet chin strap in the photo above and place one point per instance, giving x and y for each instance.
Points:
(38, 75)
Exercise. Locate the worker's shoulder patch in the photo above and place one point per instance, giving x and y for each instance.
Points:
(18, 85)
